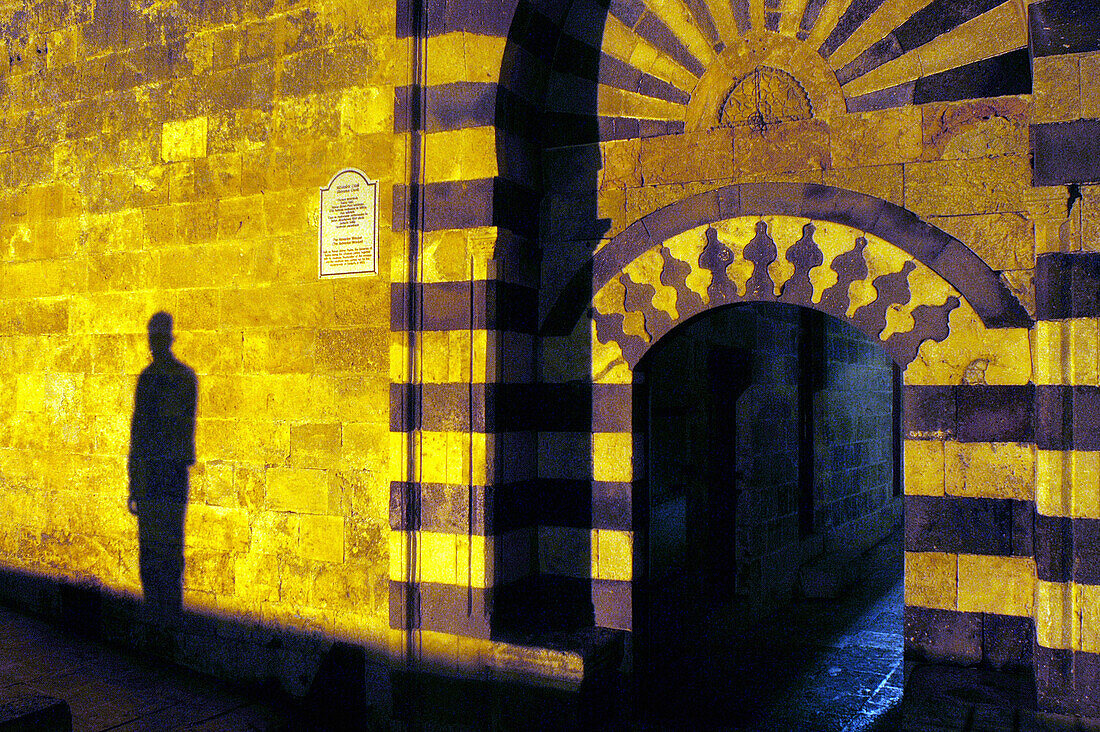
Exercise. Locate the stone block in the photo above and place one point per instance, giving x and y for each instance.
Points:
(976, 129)
(931, 580)
(275, 534)
(876, 138)
(352, 349)
(1056, 89)
(1005, 241)
(209, 571)
(241, 217)
(321, 538)
(183, 139)
(994, 584)
(214, 527)
(365, 445)
(884, 182)
(299, 490)
(924, 467)
(689, 157)
(315, 445)
(279, 351)
(286, 306)
(960, 187)
(943, 635)
(990, 470)
(793, 147)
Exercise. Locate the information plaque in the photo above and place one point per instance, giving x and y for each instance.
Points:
(348, 230)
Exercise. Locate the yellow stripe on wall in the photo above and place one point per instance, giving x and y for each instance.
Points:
(453, 559)
(1066, 483)
(455, 458)
(1067, 616)
(970, 469)
(444, 357)
(465, 154)
(454, 57)
(612, 555)
(1066, 351)
(991, 34)
(970, 582)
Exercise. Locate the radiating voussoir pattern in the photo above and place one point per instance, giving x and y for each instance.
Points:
(653, 54)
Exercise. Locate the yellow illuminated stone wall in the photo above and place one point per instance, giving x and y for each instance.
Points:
(161, 158)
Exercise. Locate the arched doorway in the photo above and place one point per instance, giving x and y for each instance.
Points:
(959, 337)
(769, 559)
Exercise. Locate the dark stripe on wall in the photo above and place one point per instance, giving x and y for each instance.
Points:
(653, 29)
(1000, 76)
(1065, 152)
(886, 49)
(1067, 417)
(895, 96)
(987, 526)
(858, 12)
(1067, 681)
(503, 407)
(1067, 549)
(443, 508)
(1067, 285)
(1001, 641)
(577, 58)
(565, 128)
(742, 15)
(449, 106)
(452, 609)
(495, 305)
(612, 602)
(809, 18)
(937, 18)
(621, 75)
(942, 635)
(468, 204)
(467, 104)
(449, 16)
(1060, 27)
(504, 507)
(979, 413)
(581, 504)
(1053, 548)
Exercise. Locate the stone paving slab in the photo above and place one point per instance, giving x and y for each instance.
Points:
(109, 689)
(832, 666)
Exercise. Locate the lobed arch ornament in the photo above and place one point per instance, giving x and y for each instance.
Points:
(937, 309)
(935, 306)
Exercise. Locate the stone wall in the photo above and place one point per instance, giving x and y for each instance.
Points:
(158, 157)
(854, 481)
(853, 501)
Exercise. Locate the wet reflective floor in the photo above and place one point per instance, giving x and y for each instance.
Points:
(823, 666)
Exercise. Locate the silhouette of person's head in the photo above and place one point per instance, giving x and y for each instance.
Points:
(160, 336)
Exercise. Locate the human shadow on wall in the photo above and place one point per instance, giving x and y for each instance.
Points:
(162, 450)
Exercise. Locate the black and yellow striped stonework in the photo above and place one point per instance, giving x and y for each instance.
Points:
(589, 145)
(446, 463)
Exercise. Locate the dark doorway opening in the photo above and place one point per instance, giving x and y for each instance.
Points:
(769, 590)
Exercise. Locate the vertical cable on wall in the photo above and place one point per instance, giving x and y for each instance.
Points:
(414, 313)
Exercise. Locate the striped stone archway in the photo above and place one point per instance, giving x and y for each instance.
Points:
(960, 337)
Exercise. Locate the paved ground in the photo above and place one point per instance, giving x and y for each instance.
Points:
(828, 666)
(111, 690)
(814, 666)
